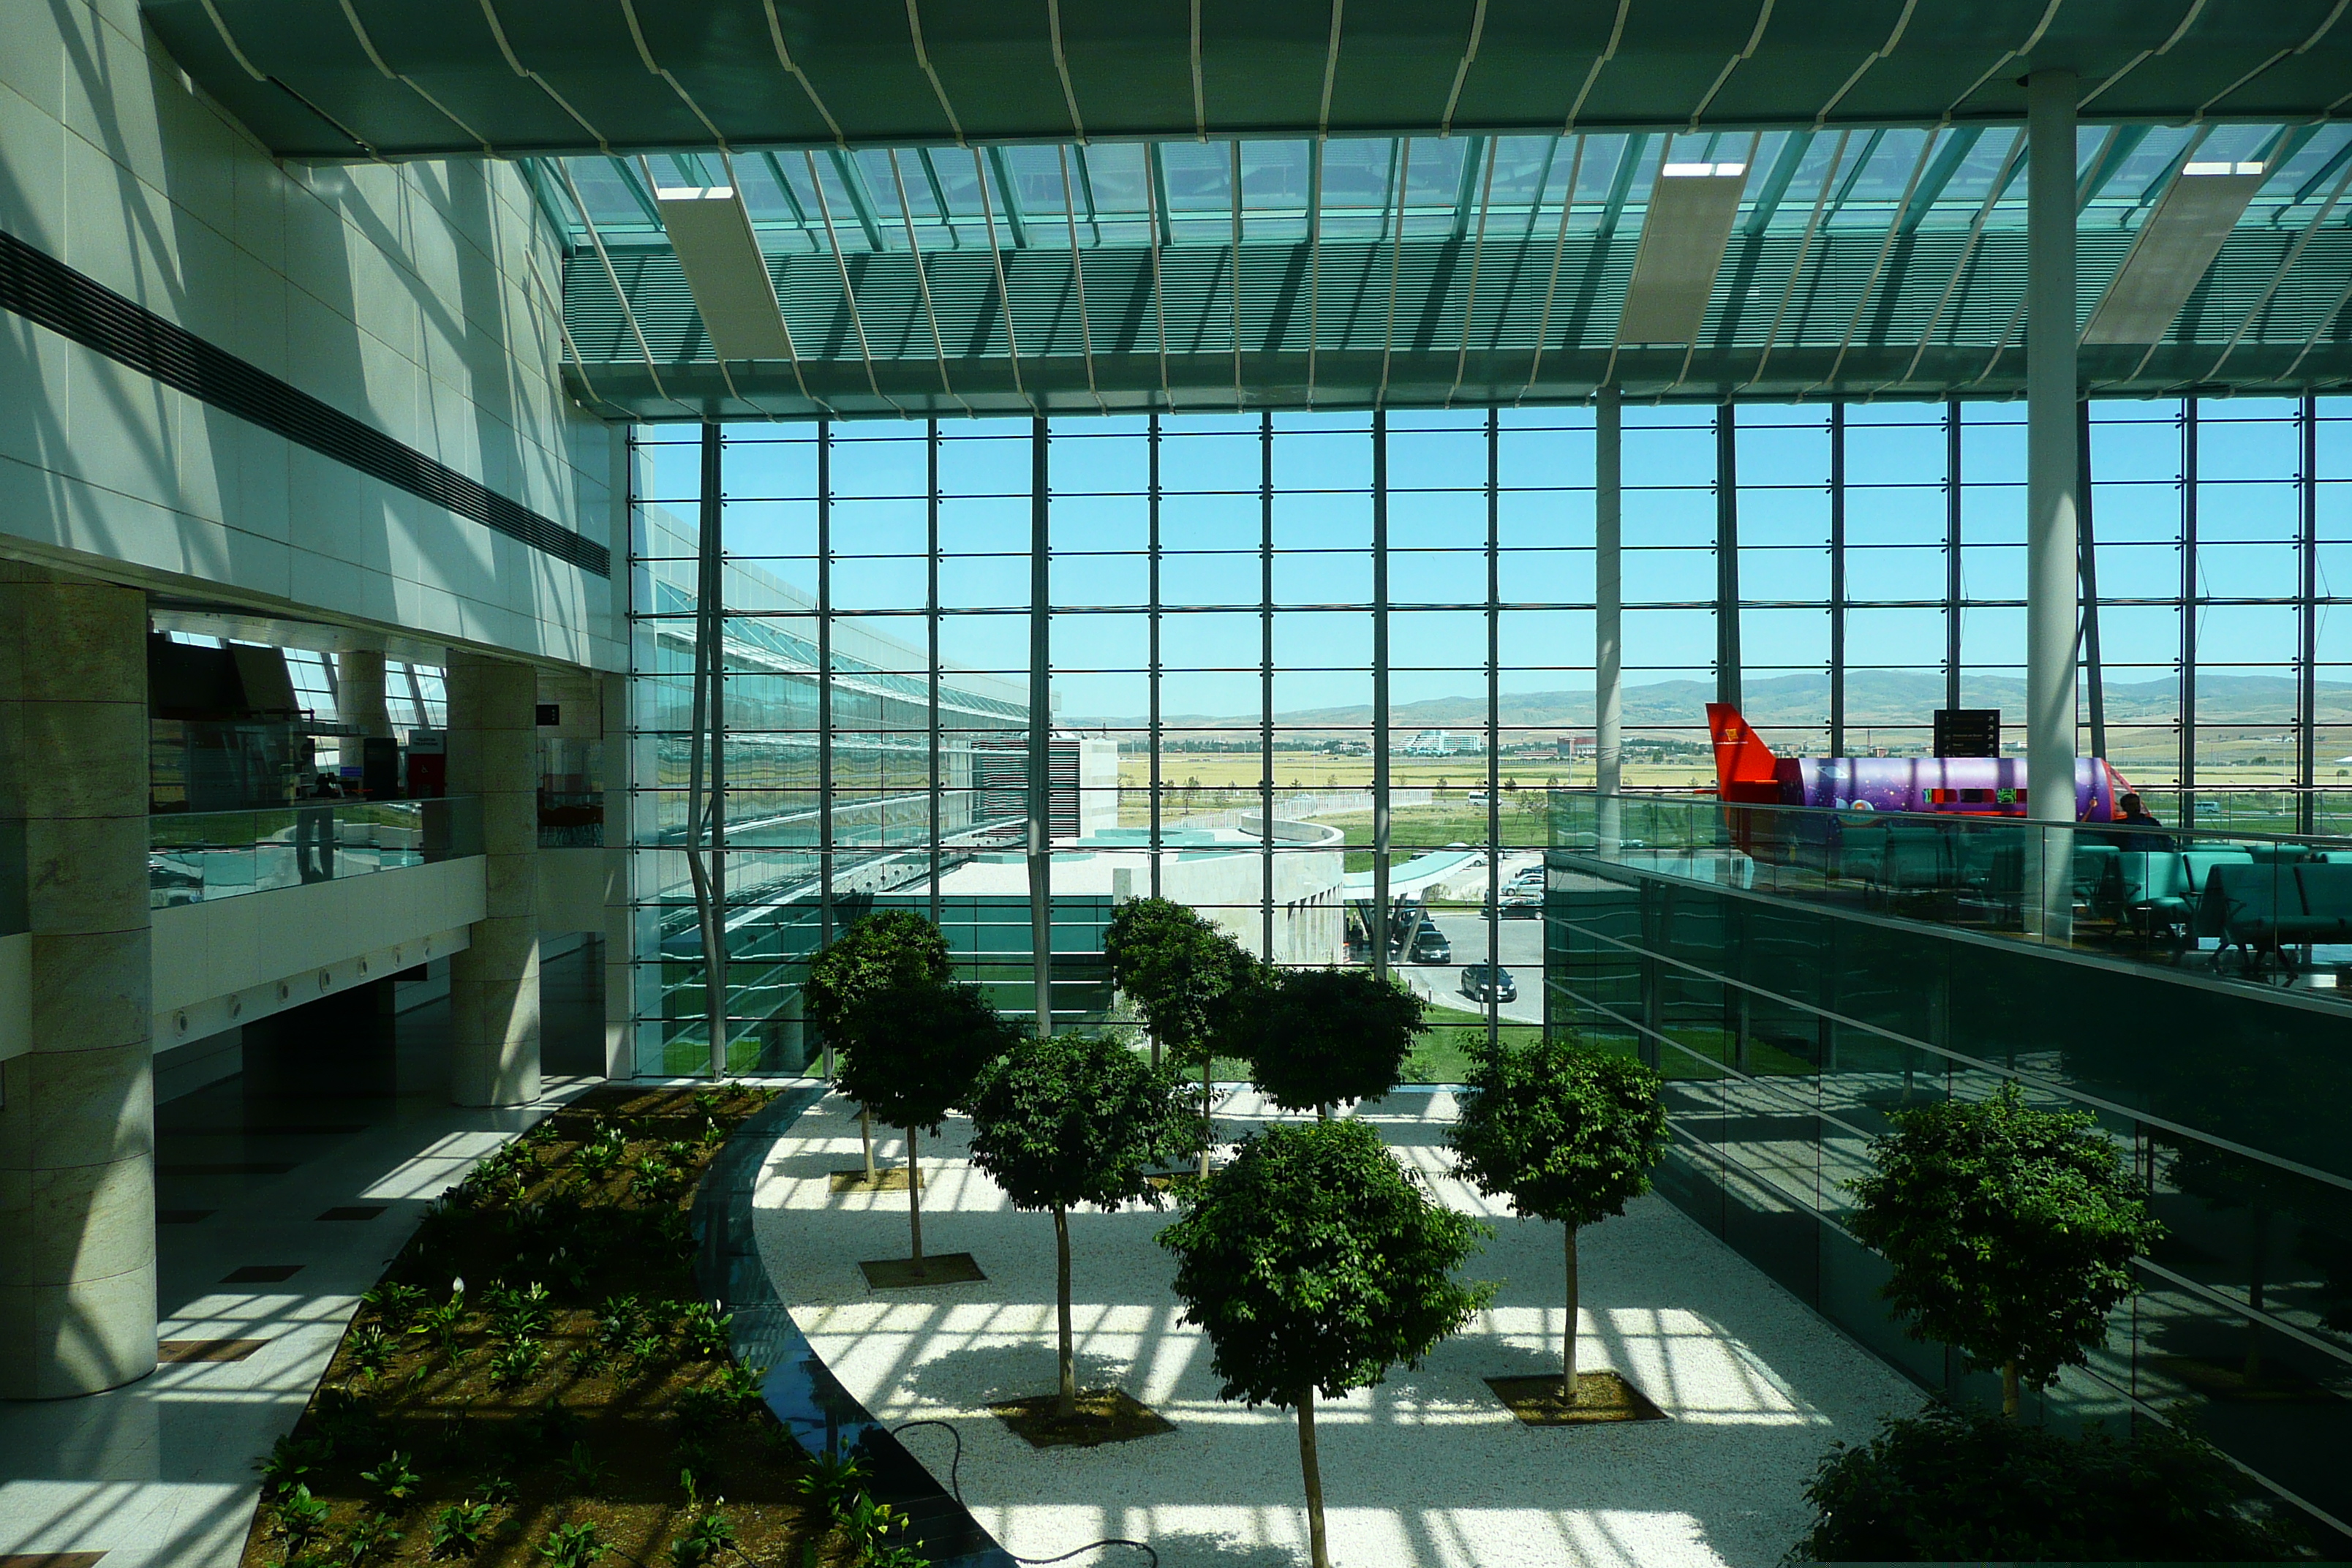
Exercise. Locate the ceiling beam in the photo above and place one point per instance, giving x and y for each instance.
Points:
(711, 234)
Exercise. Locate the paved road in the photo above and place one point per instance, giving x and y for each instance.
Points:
(1521, 952)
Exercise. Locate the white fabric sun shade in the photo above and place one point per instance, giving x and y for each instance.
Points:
(2175, 245)
(720, 257)
(1692, 207)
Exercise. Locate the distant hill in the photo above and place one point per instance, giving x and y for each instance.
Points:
(1890, 696)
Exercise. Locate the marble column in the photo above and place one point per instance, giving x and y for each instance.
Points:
(494, 982)
(359, 690)
(77, 1125)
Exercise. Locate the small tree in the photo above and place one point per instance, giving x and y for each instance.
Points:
(2010, 1231)
(1313, 1263)
(1076, 1118)
(1317, 1037)
(895, 947)
(1567, 1134)
(1949, 1485)
(917, 1050)
(1185, 977)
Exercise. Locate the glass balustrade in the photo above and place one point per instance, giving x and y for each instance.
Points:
(196, 857)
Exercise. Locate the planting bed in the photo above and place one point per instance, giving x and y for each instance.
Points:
(534, 1381)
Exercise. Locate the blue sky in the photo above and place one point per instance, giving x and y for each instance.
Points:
(1212, 525)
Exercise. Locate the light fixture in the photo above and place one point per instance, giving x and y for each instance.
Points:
(711, 233)
(2176, 246)
(1692, 207)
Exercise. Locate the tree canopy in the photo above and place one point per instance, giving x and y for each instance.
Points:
(2010, 1230)
(1953, 1486)
(896, 947)
(1318, 1037)
(918, 1048)
(1565, 1132)
(1314, 1263)
(1179, 970)
(1078, 1119)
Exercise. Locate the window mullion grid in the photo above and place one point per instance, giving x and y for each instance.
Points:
(932, 632)
(1041, 732)
(1837, 578)
(2307, 611)
(2189, 608)
(1952, 553)
(824, 841)
(1376, 927)
(1265, 681)
(1151, 506)
(1727, 557)
(1494, 725)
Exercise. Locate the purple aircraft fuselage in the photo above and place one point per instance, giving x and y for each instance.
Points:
(1747, 771)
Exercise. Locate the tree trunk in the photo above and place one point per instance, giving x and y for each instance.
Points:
(1070, 1393)
(1568, 1349)
(1208, 1125)
(1318, 1545)
(866, 1135)
(915, 1200)
(2009, 1389)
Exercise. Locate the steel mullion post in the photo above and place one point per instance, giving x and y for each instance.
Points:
(1151, 507)
(2307, 640)
(1727, 556)
(824, 845)
(2187, 609)
(2094, 662)
(1376, 931)
(1837, 578)
(1041, 732)
(932, 628)
(1494, 728)
(1951, 552)
(1266, 680)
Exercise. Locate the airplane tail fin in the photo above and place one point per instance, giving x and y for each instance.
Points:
(1744, 764)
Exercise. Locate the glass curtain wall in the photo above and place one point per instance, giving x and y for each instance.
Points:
(1291, 617)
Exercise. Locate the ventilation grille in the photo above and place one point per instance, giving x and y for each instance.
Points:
(45, 290)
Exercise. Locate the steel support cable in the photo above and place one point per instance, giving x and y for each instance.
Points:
(1477, 253)
(1003, 294)
(1804, 250)
(784, 58)
(550, 299)
(1878, 268)
(1200, 99)
(923, 58)
(1469, 57)
(1967, 257)
(620, 295)
(1893, 37)
(1159, 291)
(848, 292)
(708, 625)
(1551, 285)
(498, 33)
(2048, 14)
(359, 31)
(2326, 26)
(1239, 394)
(1396, 263)
(638, 36)
(923, 280)
(2188, 19)
(1062, 68)
(1755, 37)
(2286, 265)
(1315, 238)
(1592, 74)
(1330, 75)
(1078, 276)
(2318, 330)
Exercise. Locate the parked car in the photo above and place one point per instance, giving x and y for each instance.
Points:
(1480, 982)
(1430, 946)
(1523, 901)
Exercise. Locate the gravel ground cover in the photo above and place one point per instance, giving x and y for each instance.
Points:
(1426, 1469)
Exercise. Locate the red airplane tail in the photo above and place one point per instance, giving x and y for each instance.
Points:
(1745, 768)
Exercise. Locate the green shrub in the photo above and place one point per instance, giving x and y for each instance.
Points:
(460, 1532)
(572, 1546)
(516, 1363)
(1952, 1485)
(393, 1479)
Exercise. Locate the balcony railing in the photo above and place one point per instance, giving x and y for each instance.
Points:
(196, 856)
